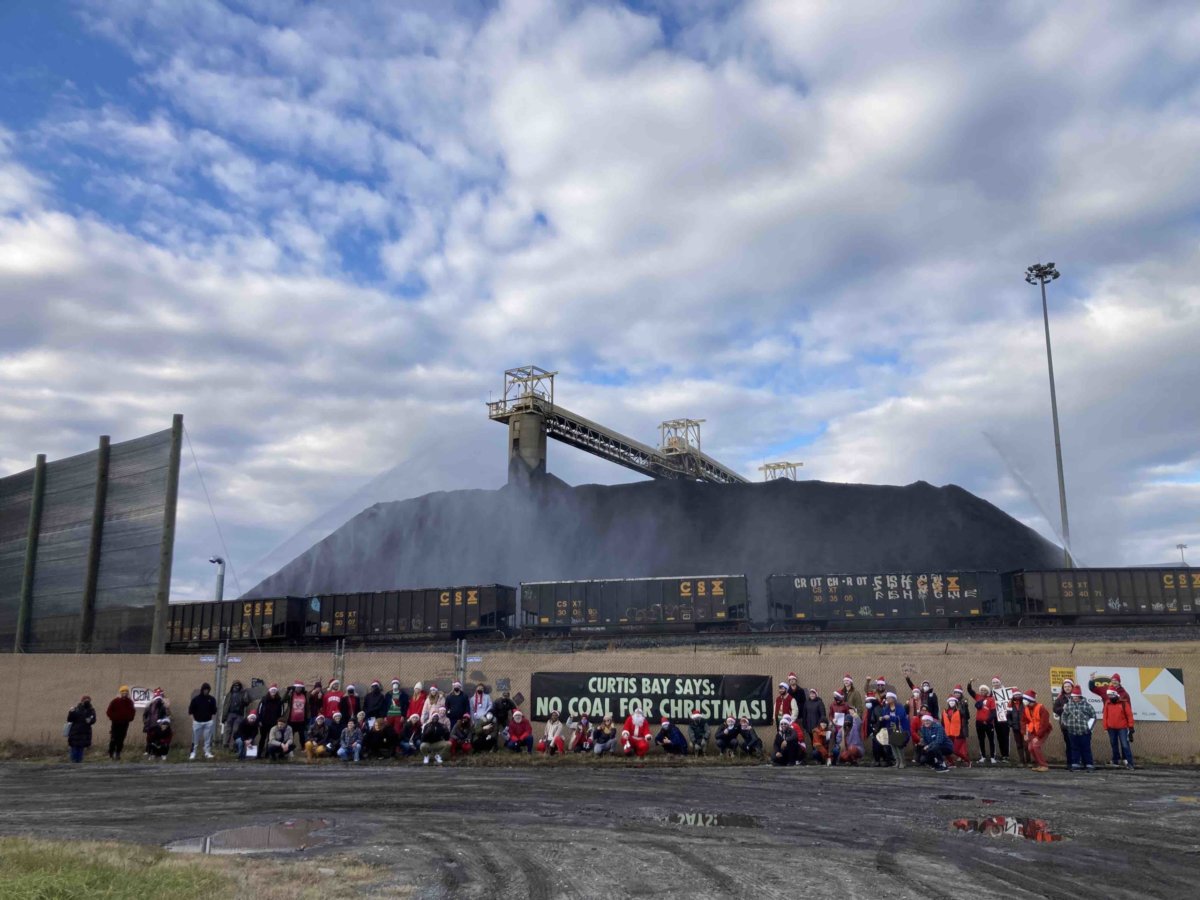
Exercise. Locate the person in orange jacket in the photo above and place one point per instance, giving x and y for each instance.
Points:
(1118, 722)
(955, 726)
(1035, 723)
(635, 736)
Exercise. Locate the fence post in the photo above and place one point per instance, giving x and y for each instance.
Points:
(219, 685)
(339, 660)
(460, 664)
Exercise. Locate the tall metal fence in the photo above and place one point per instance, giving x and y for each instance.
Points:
(44, 686)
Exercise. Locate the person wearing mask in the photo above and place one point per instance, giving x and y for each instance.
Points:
(787, 747)
(752, 744)
(927, 695)
(159, 737)
(458, 704)
(481, 703)
(605, 736)
(333, 740)
(850, 741)
(698, 732)
(80, 719)
(813, 712)
(727, 737)
(894, 720)
(670, 738)
(520, 733)
(397, 711)
(1056, 709)
(316, 739)
(882, 688)
(635, 736)
(785, 704)
(120, 714)
(232, 712)
(1003, 697)
(1016, 728)
(410, 735)
(375, 704)
(332, 702)
(419, 696)
(462, 736)
(379, 741)
(552, 741)
(819, 736)
(935, 745)
(1077, 719)
(1035, 722)
(158, 708)
(246, 735)
(503, 708)
(280, 741)
(435, 737)
(434, 702)
(985, 722)
(270, 711)
(351, 704)
(350, 743)
(1118, 722)
(295, 710)
(485, 734)
(838, 709)
(203, 710)
(580, 735)
(853, 697)
(954, 724)
(316, 702)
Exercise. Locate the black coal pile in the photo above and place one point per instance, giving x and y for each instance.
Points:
(548, 530)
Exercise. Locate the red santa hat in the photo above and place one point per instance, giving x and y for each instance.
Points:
(792, 676)
(334, 683)
(1112, 693)
(432, 688)
(786, 720)
(696, 713)
(996, 679)
(1077, 691)
(916, 692)
(517, 714)
(666, 720)
(926, 717)
(1031, 695)
(1116, 677)
(376, 683)
(730, 720)
(158, 692)
(838, 695)
(297, 684)
(273, 687)
(396, 681)
(958, 689)
(625, 735)
(880, 680)
(846, 679)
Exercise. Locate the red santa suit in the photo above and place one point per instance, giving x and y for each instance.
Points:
(331, 704)
(417, 704)
(636, 738)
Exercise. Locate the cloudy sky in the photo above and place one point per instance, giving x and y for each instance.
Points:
(322, 231)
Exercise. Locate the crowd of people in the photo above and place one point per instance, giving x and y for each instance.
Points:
(329, 722)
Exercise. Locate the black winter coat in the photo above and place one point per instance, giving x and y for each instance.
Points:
(457, 706)
(376, 703)
(814, 712)
(81, 719)
(269, 710)
(203, 708)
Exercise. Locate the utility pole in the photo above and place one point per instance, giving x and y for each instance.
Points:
(1039, 274)
(1181, 548)
(220, 564)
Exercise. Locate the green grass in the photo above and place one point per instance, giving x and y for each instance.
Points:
(55, 870)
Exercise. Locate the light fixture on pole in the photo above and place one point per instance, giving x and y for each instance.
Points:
(1181, 548)
(1039, 274)
(220, 564)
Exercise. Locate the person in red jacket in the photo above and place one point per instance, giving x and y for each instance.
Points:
(120, 714)
(1035, 720)
(520, 733)
(332, 702)
(1118, 722)
(635, 738)
(785, 704)
(985, 722)
(419, 696)
(955, 726)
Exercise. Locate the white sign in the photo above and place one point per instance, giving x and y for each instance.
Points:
(234, 659)
(474, 659)
(208, 659)
(1156, 694)
(140, 697)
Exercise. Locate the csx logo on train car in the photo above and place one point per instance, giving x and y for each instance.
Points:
(714, 587)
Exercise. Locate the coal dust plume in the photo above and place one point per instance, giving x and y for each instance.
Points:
(544, 529)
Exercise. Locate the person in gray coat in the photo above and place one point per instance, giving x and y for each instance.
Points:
(233, 712)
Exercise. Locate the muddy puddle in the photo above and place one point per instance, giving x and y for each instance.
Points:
(1009, 826)
(282, 837)
(713, 820)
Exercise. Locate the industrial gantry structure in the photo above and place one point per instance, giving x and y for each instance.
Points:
(528, 409)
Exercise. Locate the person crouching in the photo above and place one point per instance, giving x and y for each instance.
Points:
(635, 738)
(246, 735)
(280, 740)
(316, 739)
(752, 744)
(461, 736)
(520, 733)
(670, 738)
(552, 739)
(787, 747)
(727, 737)
(698, 731)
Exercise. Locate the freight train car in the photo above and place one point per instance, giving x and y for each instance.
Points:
(884, 601)
(638, 605)
(1100, 596)
(381, 616)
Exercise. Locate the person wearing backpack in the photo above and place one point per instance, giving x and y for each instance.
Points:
(80, 719)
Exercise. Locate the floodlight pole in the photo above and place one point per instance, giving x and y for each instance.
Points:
(220, 564)
(1039, 274)
(1181, 548)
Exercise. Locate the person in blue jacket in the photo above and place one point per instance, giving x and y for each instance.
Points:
(934, 743)
(894, 718)
(671, 739)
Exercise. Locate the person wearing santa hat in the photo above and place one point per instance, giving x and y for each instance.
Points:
(552, 740)
(964, 709)
(882, 687)
(854, 698)
(850, 742)
(1077, 719)
(785, 703)
(670, 738)
(929, 696)
(581, 734)
(934, 745)
(397, 708)
(727, 737)
(752, 744)
(158, 707)
(457, 702)
(520, 733)
(1017, 728)
(605, 736)
(332, 703)
(794, 689)
(485, 734)
(1118, 722)
(955, 726)
(375, 704)
(635, 736)
(270, 708)
(351, 704)
(1035, 722)
(985, 722)
(419, 697)
(894, 718)
(246, 735)
(788, 746)
(295, 706)
(698, 732)
(1003, 697)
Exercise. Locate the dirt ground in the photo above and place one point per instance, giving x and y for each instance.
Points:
(612, 831)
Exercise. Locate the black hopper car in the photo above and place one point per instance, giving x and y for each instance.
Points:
(885, 601)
